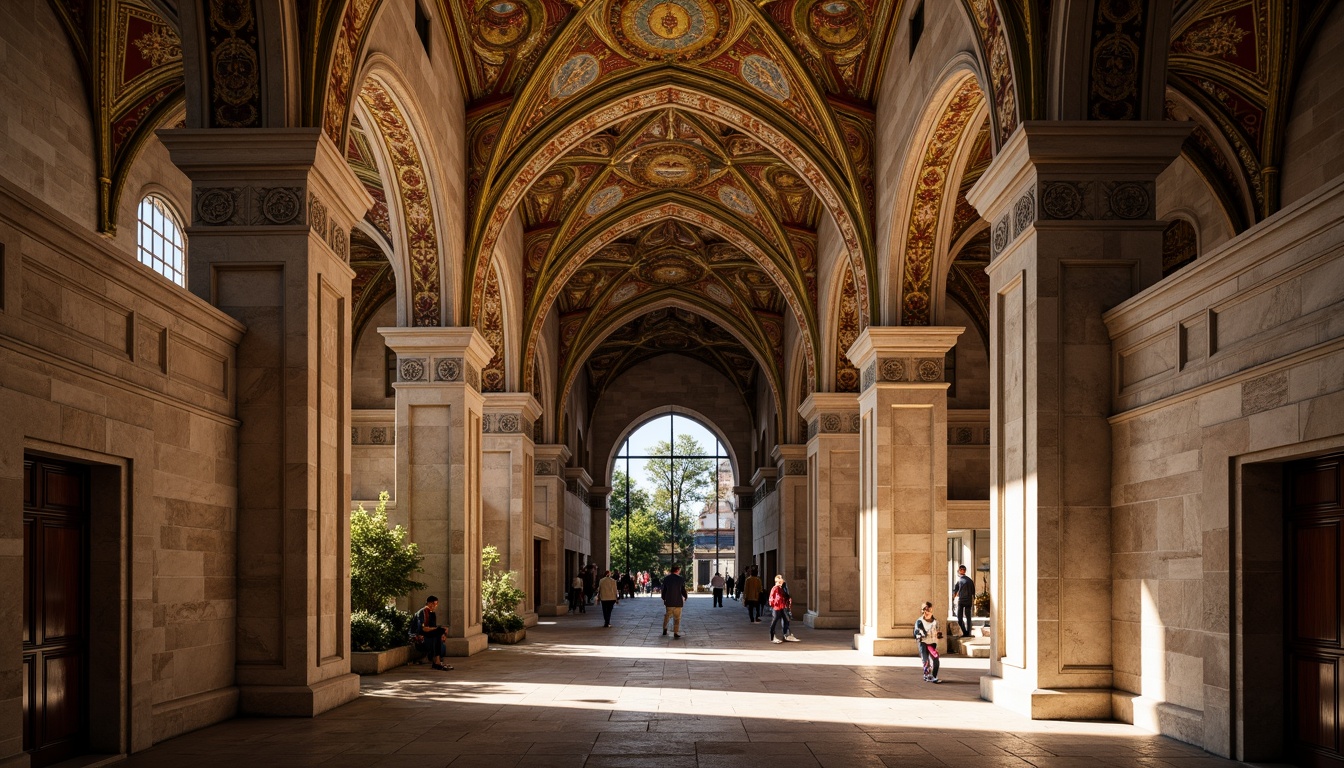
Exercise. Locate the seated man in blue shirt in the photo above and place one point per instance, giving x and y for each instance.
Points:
(427, 627)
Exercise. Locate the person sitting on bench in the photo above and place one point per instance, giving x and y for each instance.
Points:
(427, 628)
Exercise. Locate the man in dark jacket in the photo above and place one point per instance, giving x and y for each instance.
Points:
(963, 592)
(674, 597)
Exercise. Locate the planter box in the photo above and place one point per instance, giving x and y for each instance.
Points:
(378, 662)
(508, 638)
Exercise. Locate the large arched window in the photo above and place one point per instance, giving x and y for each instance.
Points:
(162, 246)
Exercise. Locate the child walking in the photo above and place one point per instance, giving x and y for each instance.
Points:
(928, 634)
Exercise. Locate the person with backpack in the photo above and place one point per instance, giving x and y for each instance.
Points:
(781, 603)
(927, 635)
(425, 626)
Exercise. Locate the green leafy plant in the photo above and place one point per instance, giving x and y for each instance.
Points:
(379, 630)
(499, 595)
(381, 565)
(382, 562)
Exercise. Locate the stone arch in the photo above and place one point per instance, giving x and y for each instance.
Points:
(573, 260)
(921, 214)
(493, 326)
(412, 201)
(586, 118)
(842, 311)
(668, 410)
(572, 369)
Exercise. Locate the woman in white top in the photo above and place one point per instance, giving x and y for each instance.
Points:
(928, 634)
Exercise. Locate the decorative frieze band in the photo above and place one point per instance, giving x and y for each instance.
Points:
(964, 435)
(247, 206)
(506, 424)
(922, 370)
(445, 369)
(330, 231)
(545, 468)
(832, 424)
(386, 435)
(1065, 200)
(794, 467)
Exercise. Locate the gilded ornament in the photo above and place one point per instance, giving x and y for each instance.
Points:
(501, 25)
(578, 72)
(604, 200)
(680, 30)
(670, 165)
(765, 76)
(737, 200)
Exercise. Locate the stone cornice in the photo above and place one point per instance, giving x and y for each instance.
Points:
(520, 403)
(877, 342)
(1085, 150)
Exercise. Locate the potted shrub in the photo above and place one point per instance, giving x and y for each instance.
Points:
(500, 598)
(982, 602)
(382, 563)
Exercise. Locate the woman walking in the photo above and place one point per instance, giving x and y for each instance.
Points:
(781, 604)
(927, 633)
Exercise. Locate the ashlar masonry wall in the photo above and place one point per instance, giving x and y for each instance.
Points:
(1234, 364)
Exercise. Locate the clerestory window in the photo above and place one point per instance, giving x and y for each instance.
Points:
(162, 246)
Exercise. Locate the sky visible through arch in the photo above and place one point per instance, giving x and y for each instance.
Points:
(641, 442)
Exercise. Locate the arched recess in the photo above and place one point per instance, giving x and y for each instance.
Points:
(412, 200)
(1108, 60)
(824, 171)
(573, 258)
(669, 410)
(575, 361)
(928, 183)
(1006, 46)
(843, 311)
(241, 63)
(494, 327)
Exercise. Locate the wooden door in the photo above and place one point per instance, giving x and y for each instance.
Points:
(55, 610)
(1314, 592)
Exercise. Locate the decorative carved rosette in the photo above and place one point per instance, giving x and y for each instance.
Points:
(412, 369)
(448, 369)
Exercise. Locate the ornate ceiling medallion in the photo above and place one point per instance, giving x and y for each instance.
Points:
(670, 269)
(737, 200)
(604, 200)
(679, 30)
(837, 24)
(668, 165)
(765, 76)
(578, 72)
(501, 24)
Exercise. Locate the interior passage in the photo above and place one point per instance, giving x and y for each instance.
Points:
(577, 694)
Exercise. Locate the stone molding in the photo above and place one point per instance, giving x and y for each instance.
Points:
(902, 354)
(448, 355)
(549, 460)
(1203, 326)
(510, 413)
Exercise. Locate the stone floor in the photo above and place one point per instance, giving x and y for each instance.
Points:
(577, 694)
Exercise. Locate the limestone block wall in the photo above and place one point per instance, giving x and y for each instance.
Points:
(1183, 193)
(106, 363)
(1236, 362)
(579, 526)
(373, 459)
(46, 133)
(1313, 147)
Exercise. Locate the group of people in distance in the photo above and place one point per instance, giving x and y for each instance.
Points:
(429, 635)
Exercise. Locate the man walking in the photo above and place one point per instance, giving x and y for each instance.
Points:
(963, 592)
(607, 594)
(716, 585)
(674, 597)
(751, 595)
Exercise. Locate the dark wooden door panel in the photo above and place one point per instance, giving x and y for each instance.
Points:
(55, 608)
(1314, 587)
(1317, 683)
(1315, 578)
(62, 577)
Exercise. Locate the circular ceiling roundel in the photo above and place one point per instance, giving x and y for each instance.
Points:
(680, 30)
(837, 24)
(664, 166)
(501, 24)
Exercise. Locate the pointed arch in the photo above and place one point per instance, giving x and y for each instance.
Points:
(540, 309)
(411, 194)
(928, 182)
(822, 168)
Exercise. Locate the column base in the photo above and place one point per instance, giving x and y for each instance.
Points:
(559, 609)
(530, 619)
(831, 620)
(467, 646)
(885, 646)
(298, 700)
(1048, 704)
(1157, 716)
